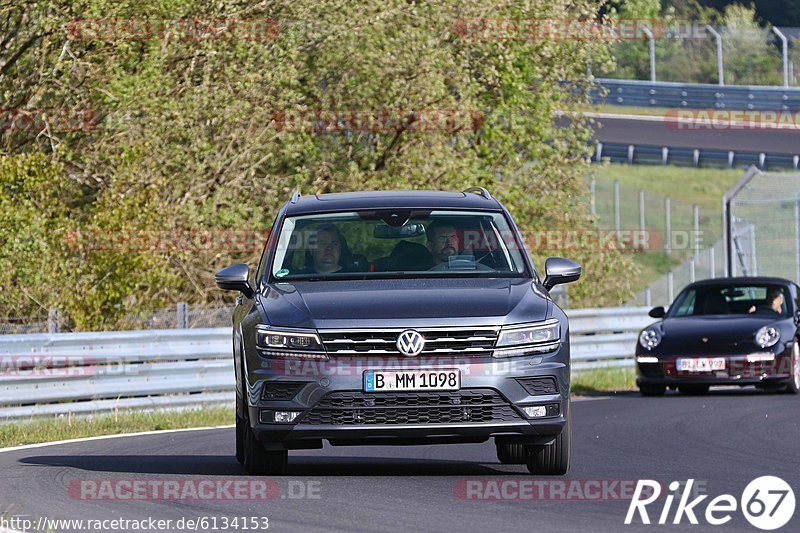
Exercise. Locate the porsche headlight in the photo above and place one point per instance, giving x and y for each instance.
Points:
(528, 339)
(768, 336)
(279, 342)
(650, 338)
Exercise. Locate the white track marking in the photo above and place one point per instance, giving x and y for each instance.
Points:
(115, 436)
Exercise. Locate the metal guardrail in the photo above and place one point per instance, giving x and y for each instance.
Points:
(696, 95)
(695, 157)
(64, 374)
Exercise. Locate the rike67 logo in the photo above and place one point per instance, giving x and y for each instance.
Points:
(767, 503)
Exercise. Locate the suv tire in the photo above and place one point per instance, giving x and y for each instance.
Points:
(551, 459)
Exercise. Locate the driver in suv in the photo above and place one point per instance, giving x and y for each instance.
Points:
(380, 346)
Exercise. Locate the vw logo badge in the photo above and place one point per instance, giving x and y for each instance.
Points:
(410, 342)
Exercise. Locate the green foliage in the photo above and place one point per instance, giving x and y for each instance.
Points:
(749, 51)
(188, 137)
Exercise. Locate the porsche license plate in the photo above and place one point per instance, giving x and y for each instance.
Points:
(411, 380)
(700, 364)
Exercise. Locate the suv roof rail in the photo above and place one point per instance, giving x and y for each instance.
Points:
(480, 190)
(295, 196)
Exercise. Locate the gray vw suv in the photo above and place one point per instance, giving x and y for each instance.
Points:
(400, 318)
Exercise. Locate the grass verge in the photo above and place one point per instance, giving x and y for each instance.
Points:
(603, 380)
(55, 429)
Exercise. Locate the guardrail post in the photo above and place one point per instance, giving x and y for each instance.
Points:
(762, 158)
(53, 321)
(668, 217)
(795, 161)
(696, 157)
(731, 155)
(616, 209)
(664, 155)
(182, 315)
(631, 149)
(598, 152)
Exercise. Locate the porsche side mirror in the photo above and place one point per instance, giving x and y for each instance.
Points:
(235, 278)
(559, 270)
(657, 312)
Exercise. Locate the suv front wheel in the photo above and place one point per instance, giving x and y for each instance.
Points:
(551, 459)
(250, 452)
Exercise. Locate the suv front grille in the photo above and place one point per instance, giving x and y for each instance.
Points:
(477, 340)
(459, 407)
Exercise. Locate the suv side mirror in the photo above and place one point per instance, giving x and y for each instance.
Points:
(235, 278)
(559, 270)
(657, 312)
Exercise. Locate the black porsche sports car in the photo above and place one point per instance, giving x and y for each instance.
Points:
(727, 331)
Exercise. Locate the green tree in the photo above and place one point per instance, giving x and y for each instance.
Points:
(189, 132)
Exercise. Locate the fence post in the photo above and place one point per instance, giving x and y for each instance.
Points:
(797, 236)
(720, 64)
(668, 240)
(670, 287)
(691, 270)
(696, 236)
(53, 321)
(616, 208)
(652, 39)
(642, 224)
(182, 318)
(784, 55)
(712, 262)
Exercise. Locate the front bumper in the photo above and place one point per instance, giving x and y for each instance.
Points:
(333, 407)
(740, 369)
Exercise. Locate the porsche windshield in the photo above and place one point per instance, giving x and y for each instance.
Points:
(386, 244)
(763, 300)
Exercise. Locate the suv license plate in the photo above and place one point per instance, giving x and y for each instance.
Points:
(411, 380)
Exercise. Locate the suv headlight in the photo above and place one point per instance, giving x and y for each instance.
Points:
(286, 342)
(528, 339)
(768, 336)
(650, 338)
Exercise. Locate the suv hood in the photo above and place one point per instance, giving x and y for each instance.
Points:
(376, 303)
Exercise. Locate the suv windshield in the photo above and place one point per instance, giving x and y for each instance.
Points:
(397, 243)
(762, 300)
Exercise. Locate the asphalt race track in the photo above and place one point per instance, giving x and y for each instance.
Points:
(653, 131)
(722, 440)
